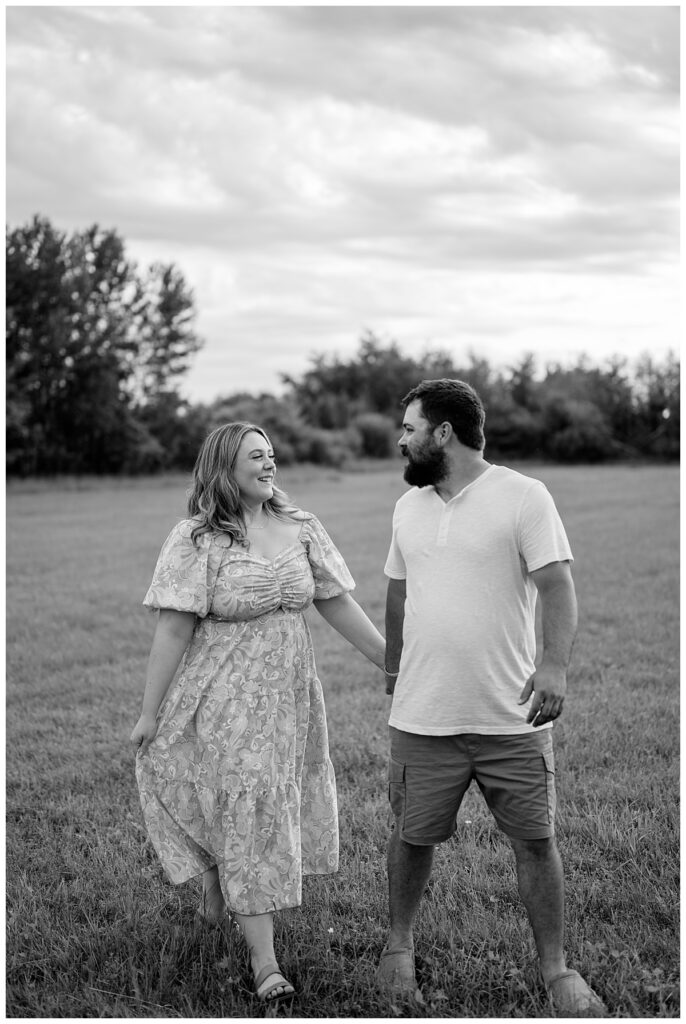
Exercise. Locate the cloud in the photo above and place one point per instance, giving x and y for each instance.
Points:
(315, 170)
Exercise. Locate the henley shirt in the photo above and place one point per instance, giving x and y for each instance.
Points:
(469, 638)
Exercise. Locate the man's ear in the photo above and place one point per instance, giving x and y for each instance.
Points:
(444, 432)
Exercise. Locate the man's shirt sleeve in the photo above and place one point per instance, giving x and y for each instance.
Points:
(542, 537)
(395, 567)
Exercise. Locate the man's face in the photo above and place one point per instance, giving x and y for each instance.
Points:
(427, 462)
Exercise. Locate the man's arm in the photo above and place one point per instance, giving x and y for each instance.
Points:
(395, 616)
(559, 621)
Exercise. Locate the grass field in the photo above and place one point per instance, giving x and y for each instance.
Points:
(95, 930)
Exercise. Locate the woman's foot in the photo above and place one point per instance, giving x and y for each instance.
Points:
(258, 932)
(271, 986)
(212, 907)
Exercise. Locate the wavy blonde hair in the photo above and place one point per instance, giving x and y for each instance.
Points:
(214, 499)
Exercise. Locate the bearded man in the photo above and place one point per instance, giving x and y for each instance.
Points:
(474, 547)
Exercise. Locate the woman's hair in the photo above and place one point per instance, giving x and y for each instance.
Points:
(453, 401)
(214, 500)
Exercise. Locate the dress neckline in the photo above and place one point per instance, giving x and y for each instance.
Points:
(277, 557)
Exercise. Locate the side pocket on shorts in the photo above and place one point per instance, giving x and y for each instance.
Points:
(396, 790)
(549, 765)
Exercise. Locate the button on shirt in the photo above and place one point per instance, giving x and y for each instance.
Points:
(469, 631)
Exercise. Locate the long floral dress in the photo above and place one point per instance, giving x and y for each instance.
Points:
(239, 773)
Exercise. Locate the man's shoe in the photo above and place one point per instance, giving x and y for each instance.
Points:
(572, 997)
(395, 974)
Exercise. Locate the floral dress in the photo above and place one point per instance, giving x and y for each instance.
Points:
(239, 774)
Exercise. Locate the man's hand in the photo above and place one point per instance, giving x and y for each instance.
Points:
(391, 679)
(549, 686)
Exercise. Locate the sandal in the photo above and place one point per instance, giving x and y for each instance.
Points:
(572, 997)
(271, 986)
(395, 973)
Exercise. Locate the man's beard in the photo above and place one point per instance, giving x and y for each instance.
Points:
(428, 467)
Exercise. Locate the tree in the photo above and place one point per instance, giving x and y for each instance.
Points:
(294, 439)
(523, 385)
(89, 343)
(575, 430)
(608, 388)
(332, 393)
(329, 393)
(166, 341)
(658, 420)
(378, 435)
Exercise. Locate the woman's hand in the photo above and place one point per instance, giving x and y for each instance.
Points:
(173, 634)
(143, 733)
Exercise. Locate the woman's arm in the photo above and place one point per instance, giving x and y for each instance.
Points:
(172, 636)
(348, 619)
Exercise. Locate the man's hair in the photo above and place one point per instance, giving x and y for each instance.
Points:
(455, 402)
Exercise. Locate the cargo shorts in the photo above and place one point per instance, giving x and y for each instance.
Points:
(429, 776)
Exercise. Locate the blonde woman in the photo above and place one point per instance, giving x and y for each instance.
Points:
(233, 762)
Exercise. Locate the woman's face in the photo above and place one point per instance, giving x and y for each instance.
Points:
(254, 470)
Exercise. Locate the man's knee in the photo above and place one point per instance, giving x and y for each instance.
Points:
(411, 850)
(535, 849)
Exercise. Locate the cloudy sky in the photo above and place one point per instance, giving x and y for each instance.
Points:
(495, 179)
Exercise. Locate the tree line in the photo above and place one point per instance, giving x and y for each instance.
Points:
(97, 349)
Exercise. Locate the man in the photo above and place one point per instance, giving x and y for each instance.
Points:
(474, 546)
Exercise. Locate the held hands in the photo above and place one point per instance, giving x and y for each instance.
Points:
(391, 679)
(549, 686)
(143, 733)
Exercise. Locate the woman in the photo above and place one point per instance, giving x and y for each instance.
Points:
(232, 753)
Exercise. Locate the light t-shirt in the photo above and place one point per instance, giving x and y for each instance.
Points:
(469, 631)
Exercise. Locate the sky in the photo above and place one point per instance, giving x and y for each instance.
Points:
(495, 180)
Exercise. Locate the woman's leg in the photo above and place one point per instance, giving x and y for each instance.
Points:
(258, 932)
(212, 908)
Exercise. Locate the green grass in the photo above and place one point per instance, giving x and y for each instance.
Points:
(95, 930)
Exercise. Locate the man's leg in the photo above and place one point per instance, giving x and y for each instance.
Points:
(428, 776)
(541, 886)
(409, 870)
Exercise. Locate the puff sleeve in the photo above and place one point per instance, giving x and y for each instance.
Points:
(329, 571)
(182, 580)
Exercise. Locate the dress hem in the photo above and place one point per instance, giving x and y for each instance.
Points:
(276, 905)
